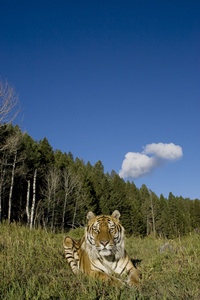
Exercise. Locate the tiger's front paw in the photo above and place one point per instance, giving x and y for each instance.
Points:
(134, 278)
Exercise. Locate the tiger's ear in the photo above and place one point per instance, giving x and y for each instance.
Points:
(116, 214)
(90, 215)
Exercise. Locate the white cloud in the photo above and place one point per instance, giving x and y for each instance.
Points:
(154, 155)
(165, 151)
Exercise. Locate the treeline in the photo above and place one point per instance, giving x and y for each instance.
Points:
(42, 187)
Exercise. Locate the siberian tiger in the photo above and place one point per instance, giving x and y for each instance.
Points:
(100, 252)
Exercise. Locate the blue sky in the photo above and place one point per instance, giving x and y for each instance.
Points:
(103, 79)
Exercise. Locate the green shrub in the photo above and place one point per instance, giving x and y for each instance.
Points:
(76, 233)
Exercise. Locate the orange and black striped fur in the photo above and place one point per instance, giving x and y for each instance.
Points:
(100, 253)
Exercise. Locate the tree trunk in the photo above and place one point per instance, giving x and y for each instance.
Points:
(27, 203)
(53, 211)
(64, 211)
(3, 171)
(74, 216)
(147, 226)
(153, 216)
(11, 188)
(48, 210)
(34, 198)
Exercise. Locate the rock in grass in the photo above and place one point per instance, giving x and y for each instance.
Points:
(165, 247)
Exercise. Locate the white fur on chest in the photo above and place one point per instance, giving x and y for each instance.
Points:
(108, 264)
(118, 266)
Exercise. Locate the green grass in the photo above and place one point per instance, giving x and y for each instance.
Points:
(33, 267)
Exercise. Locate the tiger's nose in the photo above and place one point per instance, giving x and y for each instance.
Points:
(104, 243)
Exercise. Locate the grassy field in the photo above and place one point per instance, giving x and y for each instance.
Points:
(33, 267)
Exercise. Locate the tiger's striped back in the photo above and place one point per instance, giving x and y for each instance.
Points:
(72, 249)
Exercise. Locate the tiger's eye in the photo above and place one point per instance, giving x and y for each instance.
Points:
(96, 230)
(112, 229)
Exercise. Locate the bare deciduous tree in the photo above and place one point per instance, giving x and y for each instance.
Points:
(27, 202)
(8, 103)
(71, 181)
(34, 199)
(3, 164)
(55, 183)
(52, 182)
(8, 111)
(11, 187)
(10, 157)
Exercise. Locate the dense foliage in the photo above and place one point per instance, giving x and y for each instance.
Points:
(47, 188)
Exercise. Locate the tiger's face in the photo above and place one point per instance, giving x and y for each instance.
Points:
(105, 235)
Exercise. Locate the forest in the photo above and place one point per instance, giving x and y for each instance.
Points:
(44, 188)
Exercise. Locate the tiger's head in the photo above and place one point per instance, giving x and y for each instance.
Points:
(104, 236)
